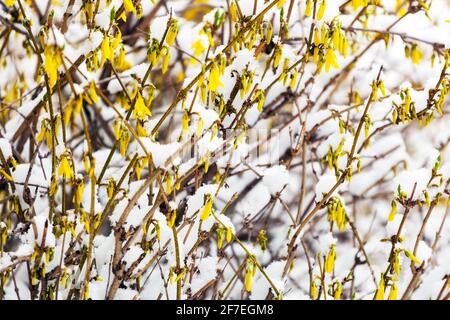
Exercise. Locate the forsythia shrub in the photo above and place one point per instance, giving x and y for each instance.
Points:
(246, 149)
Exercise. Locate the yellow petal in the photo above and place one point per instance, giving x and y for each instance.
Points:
(206, 212)
(128, 5)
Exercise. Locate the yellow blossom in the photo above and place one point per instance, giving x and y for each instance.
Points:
(123, 142)
(93, 92)
(198, 47)
(117, 40)
(321, 11)
(51, 64)
(65, 168)
(411, 256)
(313, 290)
(42, 132)
(166, 58)
(220, 234)
(280, 3)
(79, 191)
(260, 98)
(248, 279)
(359, 3)
(338, 291)
(229, 235)
(330, 259)
(170, 218)
(379, 295)
(214, 78)
(269, 33)
(107, 52)
(153, 52)
(5, 175)
(416, 55)
(206, 212)
(140, 108)
(172, 33)
(293, 80)
(185, 123)
(233, 11)
(393, 210)
(330, 60)
(308, 8)
(199, 129)
(393, 293)
(169, 183)
(128, 5)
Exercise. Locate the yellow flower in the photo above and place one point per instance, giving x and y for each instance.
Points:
(79, 191)
(107, 52)
(233, 11)
(128, 5)
(293, 80)
(269, 33)
(93, 92)
(411, 256)
(166, 58)
(198, 47)
(172, 33)
(393, 210)
(123, 16)
(199, 128)
(117, 40)
(396, 263)
(359, 3)
(330, 60)
(336, 38)
(261, 99)
(244, 85)
(220, 234)
(214, 78)
(248, 278)
(124, 141)
(185, 123)
(170, 218)
(53, 186)
(416, 55)
(169, 184)
(338, 291)
(65, 168)
(120, 59)
(153, 52)
(140, 109)
(5, 175)
(383, 89)
(51, 65)
(308, 8)
(321, 11)
(380, 290)
(280, 4)
(329, 261)
(206, 212)
(393, 293)
(277, 56)
(313, 290)
(110, 188)
(42, 132)
(229, 235)
(158, 231)
(9, 3)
